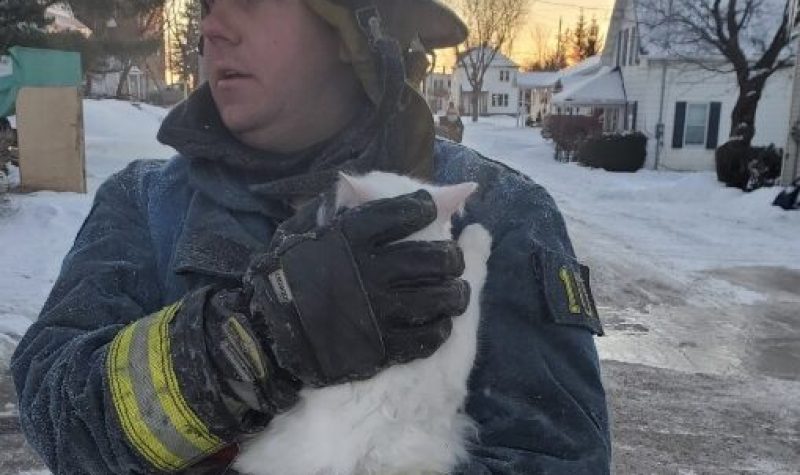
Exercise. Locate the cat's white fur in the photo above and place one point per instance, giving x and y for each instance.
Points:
(409, 418)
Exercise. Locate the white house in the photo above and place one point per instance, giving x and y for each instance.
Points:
(684, 110)
(62, 19)
(791, 160)
(591, 88)
(437, 90)
(535, 91)
(500, 94)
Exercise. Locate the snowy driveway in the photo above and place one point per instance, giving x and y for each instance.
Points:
(677, 259)
(699, 289)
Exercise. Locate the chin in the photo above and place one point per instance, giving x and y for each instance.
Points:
(237, 119)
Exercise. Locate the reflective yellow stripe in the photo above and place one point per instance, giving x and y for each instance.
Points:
(124, 399)
(249, 346)
(181, 416)
(569, 287)
(155, 418)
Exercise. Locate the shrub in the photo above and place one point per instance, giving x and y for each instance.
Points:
(747, 168)
(624, 152)
(569, 132)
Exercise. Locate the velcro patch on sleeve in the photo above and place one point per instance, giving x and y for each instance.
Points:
(567, 290)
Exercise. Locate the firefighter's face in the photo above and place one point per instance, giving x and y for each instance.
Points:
(271, 64)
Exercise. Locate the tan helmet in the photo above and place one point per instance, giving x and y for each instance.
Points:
(386, 42)
(433, 22)
(428, 24)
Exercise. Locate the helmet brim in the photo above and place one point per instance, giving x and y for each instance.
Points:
(437, 25)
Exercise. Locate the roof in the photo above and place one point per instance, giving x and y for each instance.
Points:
(660, 39)
(587, 66)
(602, 86)
(64, 20)
(500, 60)
(536, 79)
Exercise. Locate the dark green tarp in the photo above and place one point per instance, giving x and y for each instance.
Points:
(33, 67)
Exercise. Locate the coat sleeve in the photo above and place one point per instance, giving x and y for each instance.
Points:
(111, 381)
(536, 391)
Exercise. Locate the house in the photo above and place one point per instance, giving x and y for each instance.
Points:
(499, 95)
(641, 83)
(791, 158)
(62, 20)
(437, 89)
(535, 91)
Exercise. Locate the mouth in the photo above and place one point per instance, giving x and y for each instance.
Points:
(227, 76)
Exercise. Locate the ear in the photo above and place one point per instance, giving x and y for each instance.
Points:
(349, 192)
(450, 200)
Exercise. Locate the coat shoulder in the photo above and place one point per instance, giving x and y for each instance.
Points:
(143, 181)
(508, 201)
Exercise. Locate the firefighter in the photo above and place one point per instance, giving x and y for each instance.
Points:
(169, 334)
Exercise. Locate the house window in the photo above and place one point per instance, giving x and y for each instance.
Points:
(625, 35)
(634, 47)
(505, 76)
(499, 100)
(696, 121)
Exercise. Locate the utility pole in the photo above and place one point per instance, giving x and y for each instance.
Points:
(559, 52)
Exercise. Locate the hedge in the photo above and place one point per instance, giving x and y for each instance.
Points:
(617, 152)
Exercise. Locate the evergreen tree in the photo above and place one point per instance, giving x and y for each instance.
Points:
(22, 22)
(593, 40)
(125, 32)
(584, 41)
(577, 39)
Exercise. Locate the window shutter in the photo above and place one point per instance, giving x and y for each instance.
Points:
(713, 125)
(635, 114)
(678, 125)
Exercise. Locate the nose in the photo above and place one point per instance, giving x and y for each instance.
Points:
(218, 25)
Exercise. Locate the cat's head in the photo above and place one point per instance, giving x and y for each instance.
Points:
(352, 191)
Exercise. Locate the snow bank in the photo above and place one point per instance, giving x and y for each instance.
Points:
(659, 244)
(37, 229)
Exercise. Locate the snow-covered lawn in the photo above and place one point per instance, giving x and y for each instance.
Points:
(688, 275)
(37, 229)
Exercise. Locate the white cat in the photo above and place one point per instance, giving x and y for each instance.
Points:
(409, 418)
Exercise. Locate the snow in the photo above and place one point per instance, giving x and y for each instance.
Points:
(37, 229)
(587, 66)
(603, 87)
(500, 60)
(671, 253)
(536, 79)
(660, 245)
(668, 227)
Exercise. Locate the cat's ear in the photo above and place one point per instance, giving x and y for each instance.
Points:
(349, 192)
(450, 200)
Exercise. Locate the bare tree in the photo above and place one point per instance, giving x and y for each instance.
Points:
(548, 57)
(744, 37)
(182, 23)
(540, 37)
(492, 26)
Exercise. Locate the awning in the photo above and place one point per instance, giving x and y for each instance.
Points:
(604, 88)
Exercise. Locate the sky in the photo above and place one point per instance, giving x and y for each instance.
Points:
(542, 21)
(544, 16)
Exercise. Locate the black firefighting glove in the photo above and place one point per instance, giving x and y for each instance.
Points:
(341, 302)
